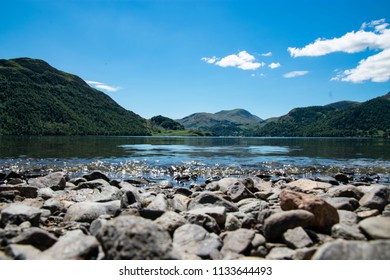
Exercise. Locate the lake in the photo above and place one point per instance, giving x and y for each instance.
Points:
(208, 156)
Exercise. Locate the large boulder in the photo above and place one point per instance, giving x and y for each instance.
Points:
(55, 181)
(376, 198)
(74, 245)
(218, 213)
(170, 221)
(89, 211)
(39, 238)
(205, 199)
(325, 215)
(195, 240)
(134, 238)
(278, 223)
(376, 227)
(306, 185)
(238, 241)
(18, 213)
(354, 250)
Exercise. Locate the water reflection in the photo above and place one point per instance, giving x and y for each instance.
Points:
(214, 152)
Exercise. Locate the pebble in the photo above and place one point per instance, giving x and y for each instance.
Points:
(273, 217)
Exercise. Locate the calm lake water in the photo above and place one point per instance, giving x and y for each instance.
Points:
(152, 156)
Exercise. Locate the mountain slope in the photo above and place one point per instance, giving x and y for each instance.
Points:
(227, 122)
(37, 99)
(340, 119)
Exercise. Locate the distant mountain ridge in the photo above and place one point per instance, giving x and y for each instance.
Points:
(37, 99)
(226, 122)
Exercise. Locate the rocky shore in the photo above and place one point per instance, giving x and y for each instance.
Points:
(257, 217)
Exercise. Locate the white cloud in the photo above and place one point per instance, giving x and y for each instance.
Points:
(209, 59)
(294, 74)
(267, 54)
(103, 86)
(374, 35)
(351, 42)
(274, 65)
(243, 60)
(375, 68)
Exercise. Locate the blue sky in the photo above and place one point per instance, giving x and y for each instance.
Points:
(175, 58)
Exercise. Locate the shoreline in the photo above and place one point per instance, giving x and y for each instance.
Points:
(268, 216)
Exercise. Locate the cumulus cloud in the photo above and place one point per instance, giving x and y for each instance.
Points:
(294, 74)
(274, 65)
(103, 86)
(375, 68)
(374, 35)
(243, 60)
(267, 54)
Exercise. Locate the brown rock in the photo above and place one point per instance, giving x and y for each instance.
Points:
(325, 215)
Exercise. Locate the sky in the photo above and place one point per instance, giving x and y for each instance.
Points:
(176, 58)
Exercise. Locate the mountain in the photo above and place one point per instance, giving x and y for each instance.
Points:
(346, 118)
(227, 122)
(37, 99)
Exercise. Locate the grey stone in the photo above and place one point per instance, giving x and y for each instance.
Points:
(203, 220)
(94, 175)
(218, 213)
(94, 184)
(238, 192)
(74, 245)
(277, 224)
(89, 211)
(280, 253)
(297, 238)
(132, 237)
(376, 198)
(36, 237)
(150, 214)
(170, 221)
(18, 213)
(179, 202)
(54, 205)
(344, 203)
(376, 227)
(22, 252)
(55, 181)
(196, 240)
(97, 191)
(304, 185)
(354, 250)
(347, 191)
(258, 240)
(183, 191)
(96, 225)
(232, 222)
(221, 185)
(347, 232)
(131, 198)
(253, 206)
(159, 203)
(77, 180)
(205, 199)
(23, 190)
(304, 253)
(45, 193)
(238, 241)
(347, 217)
(367, 214)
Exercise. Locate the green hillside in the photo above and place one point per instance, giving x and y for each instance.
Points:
(225, 123)
(37, 99)
(367, 119)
